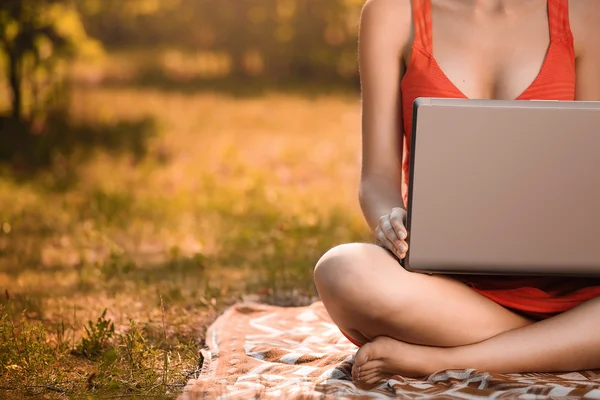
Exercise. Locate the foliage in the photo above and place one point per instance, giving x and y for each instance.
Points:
(291, 41)
(278, 39)
(32, 364)
(24, 349)
(97, 336)
(37, 37)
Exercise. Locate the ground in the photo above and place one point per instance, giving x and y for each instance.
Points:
(211, 199)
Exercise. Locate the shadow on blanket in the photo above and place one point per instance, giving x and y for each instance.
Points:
(256, 350)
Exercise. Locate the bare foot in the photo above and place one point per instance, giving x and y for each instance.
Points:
(384, 357)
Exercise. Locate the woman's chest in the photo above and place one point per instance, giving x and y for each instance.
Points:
(491, 56)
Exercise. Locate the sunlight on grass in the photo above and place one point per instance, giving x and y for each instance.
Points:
(233, 199)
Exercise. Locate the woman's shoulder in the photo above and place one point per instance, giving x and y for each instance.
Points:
(402, 7)
(584, 16)
(392, 18)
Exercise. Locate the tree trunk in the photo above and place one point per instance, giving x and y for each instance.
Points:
(14, 78)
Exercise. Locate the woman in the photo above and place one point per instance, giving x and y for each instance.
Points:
(414, 324)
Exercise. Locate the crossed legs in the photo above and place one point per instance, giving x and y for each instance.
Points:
(415, 324)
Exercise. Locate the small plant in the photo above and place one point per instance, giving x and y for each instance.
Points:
(62, 344)
(26, 356)
(136, 350)
(133, 365)
(97, 337)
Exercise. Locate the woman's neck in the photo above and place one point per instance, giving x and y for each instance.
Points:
(497, 6)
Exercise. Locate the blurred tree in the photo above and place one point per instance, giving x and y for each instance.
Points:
(273, 39)
(37, 37)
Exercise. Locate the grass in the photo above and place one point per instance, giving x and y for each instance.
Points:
(112, 265)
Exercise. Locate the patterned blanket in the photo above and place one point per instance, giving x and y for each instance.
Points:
(260, 351)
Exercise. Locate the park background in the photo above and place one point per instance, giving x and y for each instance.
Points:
(161, 160)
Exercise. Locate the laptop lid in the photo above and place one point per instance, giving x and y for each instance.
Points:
(504, 187)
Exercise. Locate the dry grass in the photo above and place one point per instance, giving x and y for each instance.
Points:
(235, 198)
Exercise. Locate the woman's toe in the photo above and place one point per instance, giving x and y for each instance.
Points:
(371, 366)
(363, 355)
(365, 377)
(374, 380)
(355, 372)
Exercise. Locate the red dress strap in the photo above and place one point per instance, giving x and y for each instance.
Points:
(558, 19)
(421, 10)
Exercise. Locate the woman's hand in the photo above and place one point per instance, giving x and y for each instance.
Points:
(391, 233)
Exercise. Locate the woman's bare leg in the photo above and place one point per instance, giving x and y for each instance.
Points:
(567, 342)
(368, 294)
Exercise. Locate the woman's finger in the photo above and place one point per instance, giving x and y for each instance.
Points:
(398, 220)
(384, 241)
(399, 246)
(390, 233)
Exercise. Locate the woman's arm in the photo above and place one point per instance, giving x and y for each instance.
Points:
(384, 34)
(585, 24)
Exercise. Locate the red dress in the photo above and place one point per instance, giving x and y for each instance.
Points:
(537, 297)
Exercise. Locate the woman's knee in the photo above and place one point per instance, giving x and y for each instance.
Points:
(348, 270)
(337, 265)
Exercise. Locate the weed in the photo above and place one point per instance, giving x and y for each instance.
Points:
(62, 343)
(97, 337)
(132, 366)
(25, 352)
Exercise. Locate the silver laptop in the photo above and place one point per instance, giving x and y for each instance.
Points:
(504, 187)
